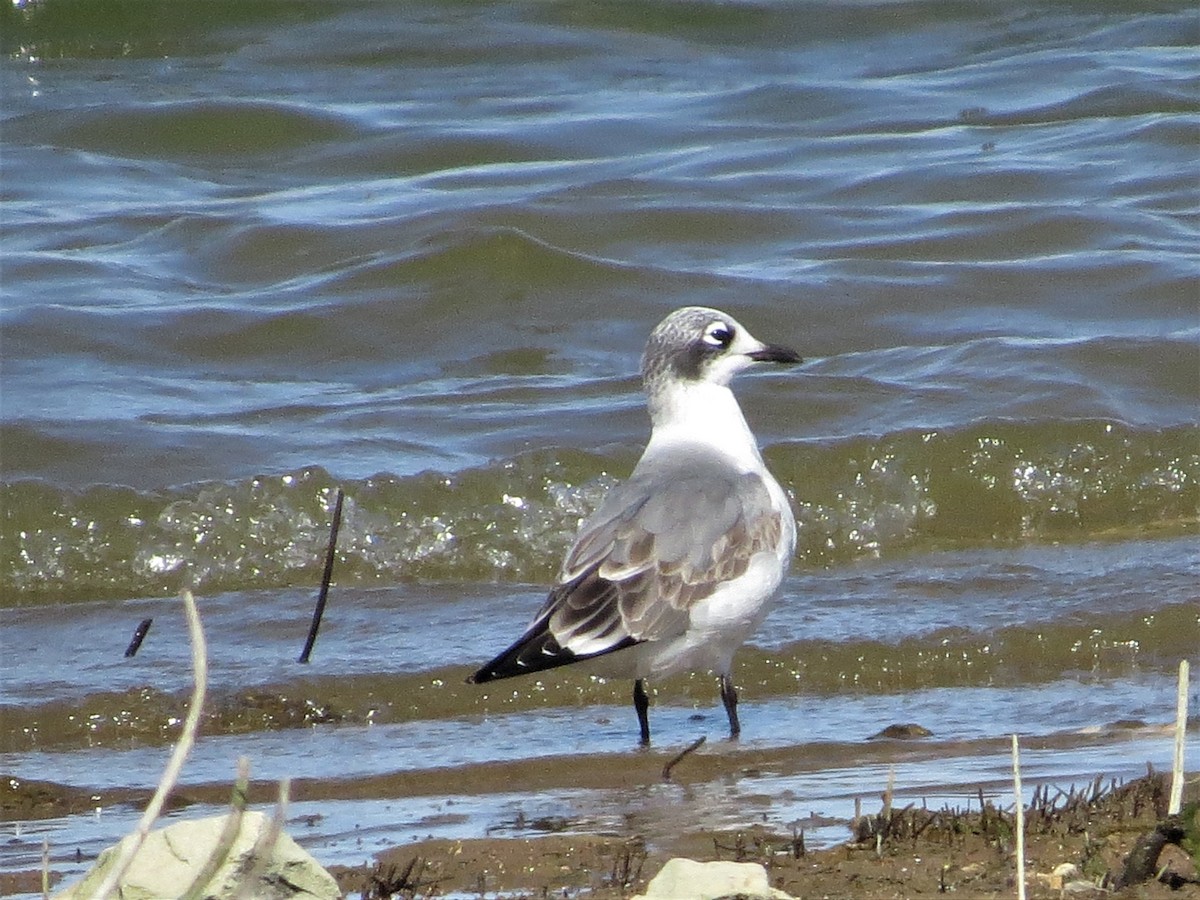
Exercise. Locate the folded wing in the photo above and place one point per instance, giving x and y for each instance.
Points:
(660, 543)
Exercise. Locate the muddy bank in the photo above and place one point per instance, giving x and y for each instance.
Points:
(602, 824)
(1079, 844)
(718, 760)
(1079, 841)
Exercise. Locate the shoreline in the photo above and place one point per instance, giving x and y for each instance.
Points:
(906, 848)
(1079, 843)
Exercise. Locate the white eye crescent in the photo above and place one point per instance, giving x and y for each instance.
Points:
(718, 334)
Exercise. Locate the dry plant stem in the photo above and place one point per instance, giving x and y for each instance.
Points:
(178, 756)
(281, 808)
(678, 757)
(1181, 710)
(229, 833)
(45, 868)
(326, 577)
(889, 792)
(1020, 823)
(264, 847)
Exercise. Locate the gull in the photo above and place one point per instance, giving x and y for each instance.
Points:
(680, 563)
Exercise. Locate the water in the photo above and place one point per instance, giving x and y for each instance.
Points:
(252, 255)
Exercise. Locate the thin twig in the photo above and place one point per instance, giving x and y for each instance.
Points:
(228, 836)
(1181, 711)
(45, 868)
(889, 793)
(179, 755)
(139, 635)
(326, 577)
(678, 757)
(264, 847)
(1020, 824)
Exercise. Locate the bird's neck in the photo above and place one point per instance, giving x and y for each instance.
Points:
(706, 413)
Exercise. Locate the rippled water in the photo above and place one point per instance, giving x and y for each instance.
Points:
(255, 253)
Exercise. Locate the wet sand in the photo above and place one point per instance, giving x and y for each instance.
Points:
(915, 849)
(901, 853)
(717, 761)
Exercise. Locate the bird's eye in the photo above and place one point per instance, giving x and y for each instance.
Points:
(718, 334)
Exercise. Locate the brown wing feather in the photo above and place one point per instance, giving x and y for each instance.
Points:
(659, 544)
(655, 548)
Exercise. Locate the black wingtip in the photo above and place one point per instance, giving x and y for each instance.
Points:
(536, 651)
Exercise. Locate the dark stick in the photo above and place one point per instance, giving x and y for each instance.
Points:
(325, 578)
(678, 757)
(139, 635)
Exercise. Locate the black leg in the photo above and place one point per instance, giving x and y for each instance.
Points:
(642, 704)
(729, 697)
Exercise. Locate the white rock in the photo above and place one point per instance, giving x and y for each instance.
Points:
(686, 879)
(171, 858)
(1061, 874)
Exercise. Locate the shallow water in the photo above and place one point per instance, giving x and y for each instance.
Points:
(255, 254)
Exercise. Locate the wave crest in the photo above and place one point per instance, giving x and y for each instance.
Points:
(513, 519)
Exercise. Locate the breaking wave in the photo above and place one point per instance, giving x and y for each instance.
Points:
(512, 520)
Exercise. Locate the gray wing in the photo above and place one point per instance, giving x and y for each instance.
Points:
(661, 542)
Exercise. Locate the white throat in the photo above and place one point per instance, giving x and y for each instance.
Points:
(703, 413)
